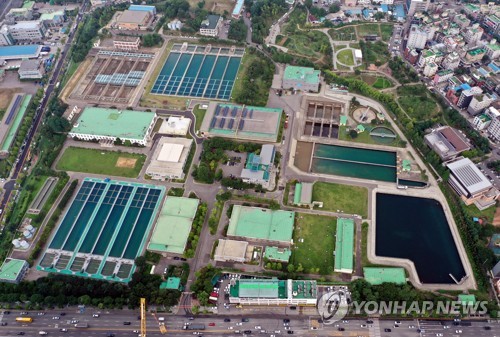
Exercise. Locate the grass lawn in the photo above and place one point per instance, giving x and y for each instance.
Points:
(382, 83)
(386, 30)
(101, 162)
(341, 67)
(488, 213)
(313, 45)
(199, 114)
(348, 199)
(417, 103)
(343, 34)
(314, 254)
(216, 6)
(368, 29)
(346, 57)
(238, 88)
(354, 45)
(340, 46)
(365, 138)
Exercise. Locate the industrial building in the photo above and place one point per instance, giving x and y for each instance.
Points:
(344, 246)
(446, 142)
(134, 20)
(31, 70)
(176, 126)
(169, 158)
(260, 224)
(8, 53)
(273, 292)
(471, 184)
(277, 254)
(301, 78)
(257, 169)
(303, 194)
(241, 122)
(13, 270)
(27, 30)
(211, 25)
(173, 226)
(376, 276)
(111, 124)
(123, 42)
(231, 251)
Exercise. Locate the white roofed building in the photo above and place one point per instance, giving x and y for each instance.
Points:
(169, 158)
(178, 126)
(471, 184)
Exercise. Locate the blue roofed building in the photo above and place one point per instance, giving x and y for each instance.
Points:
(142, 8)
(30, 51)
(257, 169)
(238, 7)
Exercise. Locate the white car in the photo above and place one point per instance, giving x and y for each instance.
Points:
(458, 331)
(439, 335)
(230, 328)
(95, 315)
(397, 322)
(239, 323)
(258, 327)
(56, 317)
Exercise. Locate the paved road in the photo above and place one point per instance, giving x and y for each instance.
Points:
(9, 186)
(113, 322)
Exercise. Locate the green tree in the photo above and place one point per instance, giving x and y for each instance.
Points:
(353, 134)
(238, 30)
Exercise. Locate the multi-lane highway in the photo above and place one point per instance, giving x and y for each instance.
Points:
(113, 322)
(9, 186)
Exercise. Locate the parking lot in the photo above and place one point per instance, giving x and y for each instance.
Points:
(234, 165)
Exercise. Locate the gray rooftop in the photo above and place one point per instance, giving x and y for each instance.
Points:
(267, 154)
(210, 22)
(469, 175)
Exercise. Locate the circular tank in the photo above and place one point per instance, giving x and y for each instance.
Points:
(24, 244)
(16, 243)
(30, 228)
(27, 234)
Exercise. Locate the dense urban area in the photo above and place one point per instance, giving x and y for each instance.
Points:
(250, 167)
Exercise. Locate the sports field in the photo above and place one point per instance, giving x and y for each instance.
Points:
(314, 243)
(111, 163)
(346, 198)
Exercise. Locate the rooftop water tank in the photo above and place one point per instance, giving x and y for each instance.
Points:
(30, 228)
(24, 244)
(27, 234)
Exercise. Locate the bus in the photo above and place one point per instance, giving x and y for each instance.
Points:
(81, 325)
(24, 319)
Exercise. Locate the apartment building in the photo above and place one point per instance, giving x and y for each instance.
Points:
(27, 30)
(451, 61)
(467, 95)
(480, 102)
(417, 38)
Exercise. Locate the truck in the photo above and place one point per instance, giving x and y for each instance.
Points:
(194, 327)
(81, 325)
(24, 319)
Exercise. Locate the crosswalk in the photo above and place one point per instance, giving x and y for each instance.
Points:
(375, 328)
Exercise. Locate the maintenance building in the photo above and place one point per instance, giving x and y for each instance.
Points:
(301, 78)
(169, 158)
(231, 251)
(376, 276)
(258, 167)
(211, 25)
(471, 184)
(303, 194)
(31, 51)
(344, 246)
(134, 20)
(31, 70)
(173, 226)
(273, 292)
(277, 254)
(111, 124)
(242, 122)
(13, 270)
(446, 142)
(262, 225)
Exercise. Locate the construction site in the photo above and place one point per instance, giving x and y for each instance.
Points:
(108, 77)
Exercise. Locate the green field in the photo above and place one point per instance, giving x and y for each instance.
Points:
(416, 101)
(368, 29)
(314, 243)
(365, 138)
(345, 198)
(101, 162)
(382, 83)
(346, 57)
(343, 34)
(199, 114)
(488, 213)
(386, 30)
(313, 45)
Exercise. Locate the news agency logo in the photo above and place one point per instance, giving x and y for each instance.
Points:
(332, 306)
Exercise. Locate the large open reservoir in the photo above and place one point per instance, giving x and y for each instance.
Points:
(354, 162)
(416, 229)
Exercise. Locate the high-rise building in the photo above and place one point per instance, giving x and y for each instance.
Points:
(451, 61)
(5, 37)
(27, 30)
(472, 35)
(417, 6)
(467, 95)
(479, 102)
(430, 69)
(494, 128)
(417, 38)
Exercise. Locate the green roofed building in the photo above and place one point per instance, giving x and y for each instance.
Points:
(277, 254)
(467, 299)
(301, 78)
(303, 194)
(173, 225)
(110, 124)
(344, 245)
(377, 276)
(273, 292)
(261, 224)
(406, 165)
(343, 120)
(173, 283)
(360, 128)
(13, 270)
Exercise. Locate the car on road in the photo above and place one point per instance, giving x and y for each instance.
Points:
(95, 315)
(239, 323)
(227, 320)
(20, 333)
(24, 313)
(439, 335)
(3, 324)
(290, 332)
(286, 320)
(341, 329)
(62, 314)
(487, 328)
(56, 317)
(41, 314)
(258, 327)
(211, 324)
(245, 320)
(287, 328)
(247, 332)
(387, 330)
(230, 328)
(126, 323)
(397, 322)
(458, 331)
(135, 331)
(110, 334)
(74, 321)
(6, 312)
(176, 258)
(64, 330)
(369, 322)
